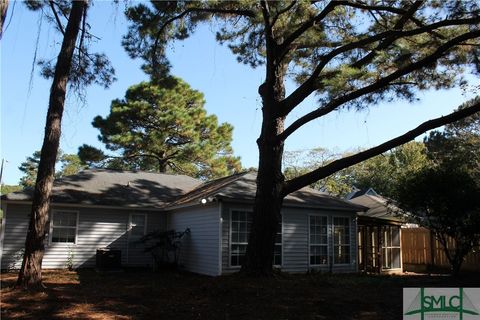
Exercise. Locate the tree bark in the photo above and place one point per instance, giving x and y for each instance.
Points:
(30, 275)
(270, 180)
(268, 199)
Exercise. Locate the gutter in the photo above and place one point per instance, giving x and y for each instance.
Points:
(80, 205)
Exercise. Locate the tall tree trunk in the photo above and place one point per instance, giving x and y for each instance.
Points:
(30, 275)
(3, 15)
(269, 195)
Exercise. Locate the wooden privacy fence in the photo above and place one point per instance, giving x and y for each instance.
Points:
(422, 252)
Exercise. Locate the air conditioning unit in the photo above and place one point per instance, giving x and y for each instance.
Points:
(109, 259)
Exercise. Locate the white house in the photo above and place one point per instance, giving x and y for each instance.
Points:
(110, 208)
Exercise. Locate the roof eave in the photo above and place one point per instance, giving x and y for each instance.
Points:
(86, 205)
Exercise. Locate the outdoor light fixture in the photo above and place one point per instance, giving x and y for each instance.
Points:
(203, 201)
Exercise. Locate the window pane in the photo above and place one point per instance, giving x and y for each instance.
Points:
(342, 254)
(71, 235)
(234, 216)
(235, 249)
(387, 237)
(323, 239)
(318, 255)
(243, 226)
(240, 228)
(66, 235)
(396, 258)
(64, 219)
(242, 237)
(396, 236)
(386, 258)
(64, 225)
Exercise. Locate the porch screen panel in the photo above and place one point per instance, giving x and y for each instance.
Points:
(391, 247)
(341, 240)
(360, 245)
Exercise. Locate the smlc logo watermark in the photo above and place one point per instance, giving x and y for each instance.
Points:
(441, 303)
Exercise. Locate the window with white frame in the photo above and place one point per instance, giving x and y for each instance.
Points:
(64, 226)
(240, 226)
(391, 247)
(277, 252)
(138, 224)
(341, 240)
(318, 240)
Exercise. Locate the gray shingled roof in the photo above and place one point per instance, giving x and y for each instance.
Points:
(116, 188)
(155, 190)
(378, 208)
(242, 187)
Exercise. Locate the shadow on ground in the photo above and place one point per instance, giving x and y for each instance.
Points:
(141, 294)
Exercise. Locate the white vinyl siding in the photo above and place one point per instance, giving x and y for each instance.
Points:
(95, 228)
(295, 239)
(199, 251)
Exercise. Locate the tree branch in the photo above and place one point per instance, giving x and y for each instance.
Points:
(282, 11)
(57, 18)
(388, 41)
(381, 83)
(246, 13)
(284, 47)
(82, 36)
(308, 87)
(323, 172)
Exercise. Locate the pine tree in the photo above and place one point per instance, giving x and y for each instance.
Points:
(74, 70)
(350, 54)
(162, 126)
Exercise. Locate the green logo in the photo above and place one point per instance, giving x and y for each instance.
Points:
(439, 302)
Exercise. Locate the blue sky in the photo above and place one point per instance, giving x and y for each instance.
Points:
(230, 90)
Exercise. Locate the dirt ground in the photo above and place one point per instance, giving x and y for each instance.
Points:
(141, 294)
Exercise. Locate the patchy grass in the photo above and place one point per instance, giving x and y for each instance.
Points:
(140, 294)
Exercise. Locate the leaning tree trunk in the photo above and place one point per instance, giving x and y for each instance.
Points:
(30, 275)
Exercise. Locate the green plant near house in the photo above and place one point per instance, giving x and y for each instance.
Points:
(18, 256)
(70, 257)
(164, 246)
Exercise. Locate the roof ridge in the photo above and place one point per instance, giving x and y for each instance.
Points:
(131, 171)
(217, 184)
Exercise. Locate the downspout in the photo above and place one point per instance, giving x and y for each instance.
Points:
(220, 228)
